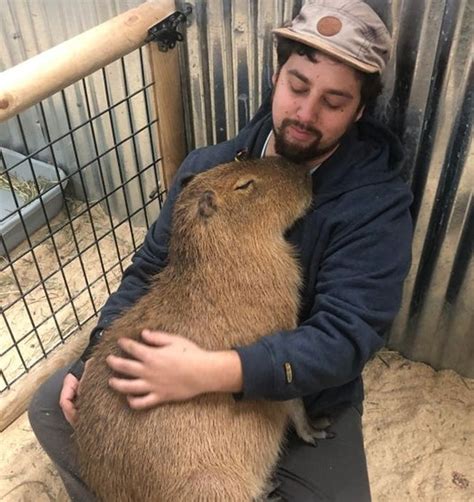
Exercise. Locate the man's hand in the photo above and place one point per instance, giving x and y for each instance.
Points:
(68, 395)
(171, 368)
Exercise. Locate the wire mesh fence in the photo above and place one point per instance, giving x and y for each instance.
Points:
(79, 191)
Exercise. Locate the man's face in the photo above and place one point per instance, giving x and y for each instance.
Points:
(314, 103)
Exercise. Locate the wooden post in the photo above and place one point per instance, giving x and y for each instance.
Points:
(41, 76)
(169, 110)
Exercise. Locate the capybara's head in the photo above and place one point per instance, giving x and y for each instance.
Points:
(242, 198)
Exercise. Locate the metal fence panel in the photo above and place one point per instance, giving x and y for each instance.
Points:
(28, 28)
(56, 274)
(101, 132)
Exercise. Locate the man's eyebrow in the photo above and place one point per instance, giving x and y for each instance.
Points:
(334, 92)
(299, 75)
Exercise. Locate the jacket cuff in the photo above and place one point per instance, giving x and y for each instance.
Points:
(257, 371)
(94, 340)
(77, 369)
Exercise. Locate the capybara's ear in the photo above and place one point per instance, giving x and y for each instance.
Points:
(185, 181)
(207, 204)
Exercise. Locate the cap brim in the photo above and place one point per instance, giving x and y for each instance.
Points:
(322, 45)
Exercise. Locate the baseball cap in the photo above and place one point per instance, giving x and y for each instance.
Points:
(348, 30)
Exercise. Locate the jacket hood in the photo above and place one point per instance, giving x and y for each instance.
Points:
(368, 151)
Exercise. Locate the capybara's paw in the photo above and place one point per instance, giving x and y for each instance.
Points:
(310, 432)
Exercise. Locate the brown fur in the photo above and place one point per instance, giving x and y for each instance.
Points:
(231, 278)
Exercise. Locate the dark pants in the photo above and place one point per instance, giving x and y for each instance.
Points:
(335, 470)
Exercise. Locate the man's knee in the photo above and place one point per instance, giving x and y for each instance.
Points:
(335, 470)
(34, 415)
(44, 411)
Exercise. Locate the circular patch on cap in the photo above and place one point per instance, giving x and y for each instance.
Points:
(329, 26)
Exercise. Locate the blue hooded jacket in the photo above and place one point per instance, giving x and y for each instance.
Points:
(354, 247)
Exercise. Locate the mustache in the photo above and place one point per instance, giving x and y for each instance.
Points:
(292, 122)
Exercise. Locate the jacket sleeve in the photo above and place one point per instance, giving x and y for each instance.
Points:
(357, 295)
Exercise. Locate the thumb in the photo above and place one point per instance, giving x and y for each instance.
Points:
(158, 338)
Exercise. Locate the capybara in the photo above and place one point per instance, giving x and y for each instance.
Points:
(231, 278)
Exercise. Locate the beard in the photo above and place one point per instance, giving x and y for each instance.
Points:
(296, 152)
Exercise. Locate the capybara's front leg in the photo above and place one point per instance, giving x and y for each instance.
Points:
(308, 431)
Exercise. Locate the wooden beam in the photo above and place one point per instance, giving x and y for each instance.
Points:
(169, 110)
(14, 401)
(43, 75)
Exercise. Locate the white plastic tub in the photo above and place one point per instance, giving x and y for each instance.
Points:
(33, 214)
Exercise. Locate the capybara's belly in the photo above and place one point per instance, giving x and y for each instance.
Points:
(209, 448)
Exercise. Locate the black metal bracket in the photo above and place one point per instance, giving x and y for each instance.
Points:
(165, 32)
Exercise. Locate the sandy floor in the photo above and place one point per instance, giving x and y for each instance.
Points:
(419, 433)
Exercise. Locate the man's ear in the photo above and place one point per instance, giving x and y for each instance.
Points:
(275, 77)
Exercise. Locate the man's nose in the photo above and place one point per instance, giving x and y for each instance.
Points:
(308, 112)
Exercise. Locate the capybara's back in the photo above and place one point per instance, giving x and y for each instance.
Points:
(231, 278)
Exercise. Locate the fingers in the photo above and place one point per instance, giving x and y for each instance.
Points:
(158, 338)
(142, 351)
(125, 366)
(67, 396)
(70, 414)
(137, 350)
(69, 389)
(143, 402)
(125, 386)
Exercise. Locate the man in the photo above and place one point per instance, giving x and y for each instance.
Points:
(354, 247)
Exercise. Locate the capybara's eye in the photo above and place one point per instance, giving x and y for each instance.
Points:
(244, 185)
